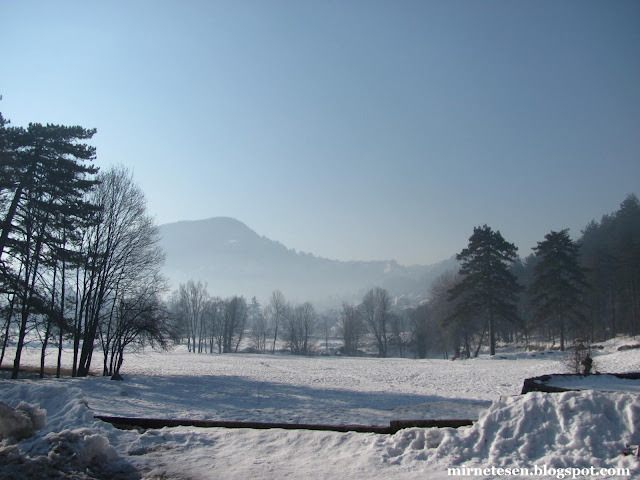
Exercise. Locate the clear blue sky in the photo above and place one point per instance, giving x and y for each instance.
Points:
(349, 129)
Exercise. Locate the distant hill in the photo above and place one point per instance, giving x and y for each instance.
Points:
(233, 259)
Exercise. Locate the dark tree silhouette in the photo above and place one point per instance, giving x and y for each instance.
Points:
(558, 282)
(488, 287)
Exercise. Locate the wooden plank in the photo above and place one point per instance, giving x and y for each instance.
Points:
(395, 425)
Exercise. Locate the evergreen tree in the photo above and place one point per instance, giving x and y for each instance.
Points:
(610, 251)
(488, 287)
(627, 264)
(44, 182)
(45, 167)
(558, 282)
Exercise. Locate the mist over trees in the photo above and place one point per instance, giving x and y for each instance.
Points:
(80, 262)
(587, 289)
(563, 290)
(350, 329)
(300, 325)
(376, 314)
(610, 252)
(209, 324)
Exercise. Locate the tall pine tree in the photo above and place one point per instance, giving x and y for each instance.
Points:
(46, 183)
(558, 281)
(487, 288)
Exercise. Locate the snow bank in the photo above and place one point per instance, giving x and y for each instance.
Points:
(22, 421)
(574, 429)
(53, 434)
(559, 430)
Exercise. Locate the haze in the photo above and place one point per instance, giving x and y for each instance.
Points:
(349, 129)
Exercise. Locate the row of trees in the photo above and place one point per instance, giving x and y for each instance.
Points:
(486, 293)
(552, 296)
(208, 323)
(566, 289)
(376, 321)
(212, 324)
(79, 255)
(80, 261)
(610, 253)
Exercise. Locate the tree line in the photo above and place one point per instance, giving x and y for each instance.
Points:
(80, 264)
(79, 254)
(565, 289)
(213, 324)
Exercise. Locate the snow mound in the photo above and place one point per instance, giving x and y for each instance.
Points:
(22, 421)
(559, 430)
(70, 452)
(72, 443)
(81, 447)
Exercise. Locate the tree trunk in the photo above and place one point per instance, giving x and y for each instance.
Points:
(492, 335)
(477, 352)
(62, 319)
(6, 226)
(29, 289)
(275, 337)
(8, 328)
(47, 331)
(21, 335)
(43, 352)
(613, 314)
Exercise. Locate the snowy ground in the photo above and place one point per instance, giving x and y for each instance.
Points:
(557, 431)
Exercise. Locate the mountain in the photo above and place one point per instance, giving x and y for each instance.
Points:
(233, 259)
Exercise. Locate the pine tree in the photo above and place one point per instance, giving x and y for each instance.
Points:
(45, 183)
(558, 282)
(487, 287)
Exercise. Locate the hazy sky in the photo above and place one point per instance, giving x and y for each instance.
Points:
(349, 129)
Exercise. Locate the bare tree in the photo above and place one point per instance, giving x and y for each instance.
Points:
(192, 304)
(400, 332)
(139, 319)
(376, 314)
(234, 321)
(299, 325)
(277, 305)
(212, 317)
(259, 332)
(351, 328)
(123, 253)
(326, 330)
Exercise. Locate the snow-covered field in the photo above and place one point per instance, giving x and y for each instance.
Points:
(574, 430)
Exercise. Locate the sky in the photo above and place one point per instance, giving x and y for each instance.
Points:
(350, 129)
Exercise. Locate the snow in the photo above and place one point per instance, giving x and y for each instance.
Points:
(64, 438)
(20, 422)
(48, 426)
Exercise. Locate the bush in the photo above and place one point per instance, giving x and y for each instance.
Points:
(578, 359)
